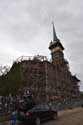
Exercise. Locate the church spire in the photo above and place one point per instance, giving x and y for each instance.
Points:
(56, 42)
(55, 38)
(56, 48)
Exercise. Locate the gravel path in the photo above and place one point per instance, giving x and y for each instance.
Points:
(67, 117)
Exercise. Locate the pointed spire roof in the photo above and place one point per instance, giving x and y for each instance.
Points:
(55, 38)
(56, 42)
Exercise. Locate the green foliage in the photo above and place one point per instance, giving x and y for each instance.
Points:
(12, 81)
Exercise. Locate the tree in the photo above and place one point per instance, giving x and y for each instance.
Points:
(11, 81)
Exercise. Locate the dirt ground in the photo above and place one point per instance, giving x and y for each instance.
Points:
(68, 117)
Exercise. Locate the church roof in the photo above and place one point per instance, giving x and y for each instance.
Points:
(75, 78)
(56, 42)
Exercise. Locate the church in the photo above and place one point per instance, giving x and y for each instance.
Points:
(50, 80)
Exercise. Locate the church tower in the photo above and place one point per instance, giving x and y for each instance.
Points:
(56, 49)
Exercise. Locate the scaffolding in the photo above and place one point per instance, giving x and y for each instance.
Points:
(36, 75)
(45, 80)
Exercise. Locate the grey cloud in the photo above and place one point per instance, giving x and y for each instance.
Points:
(25, 27)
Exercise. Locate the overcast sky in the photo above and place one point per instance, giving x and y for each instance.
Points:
(26, 29)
